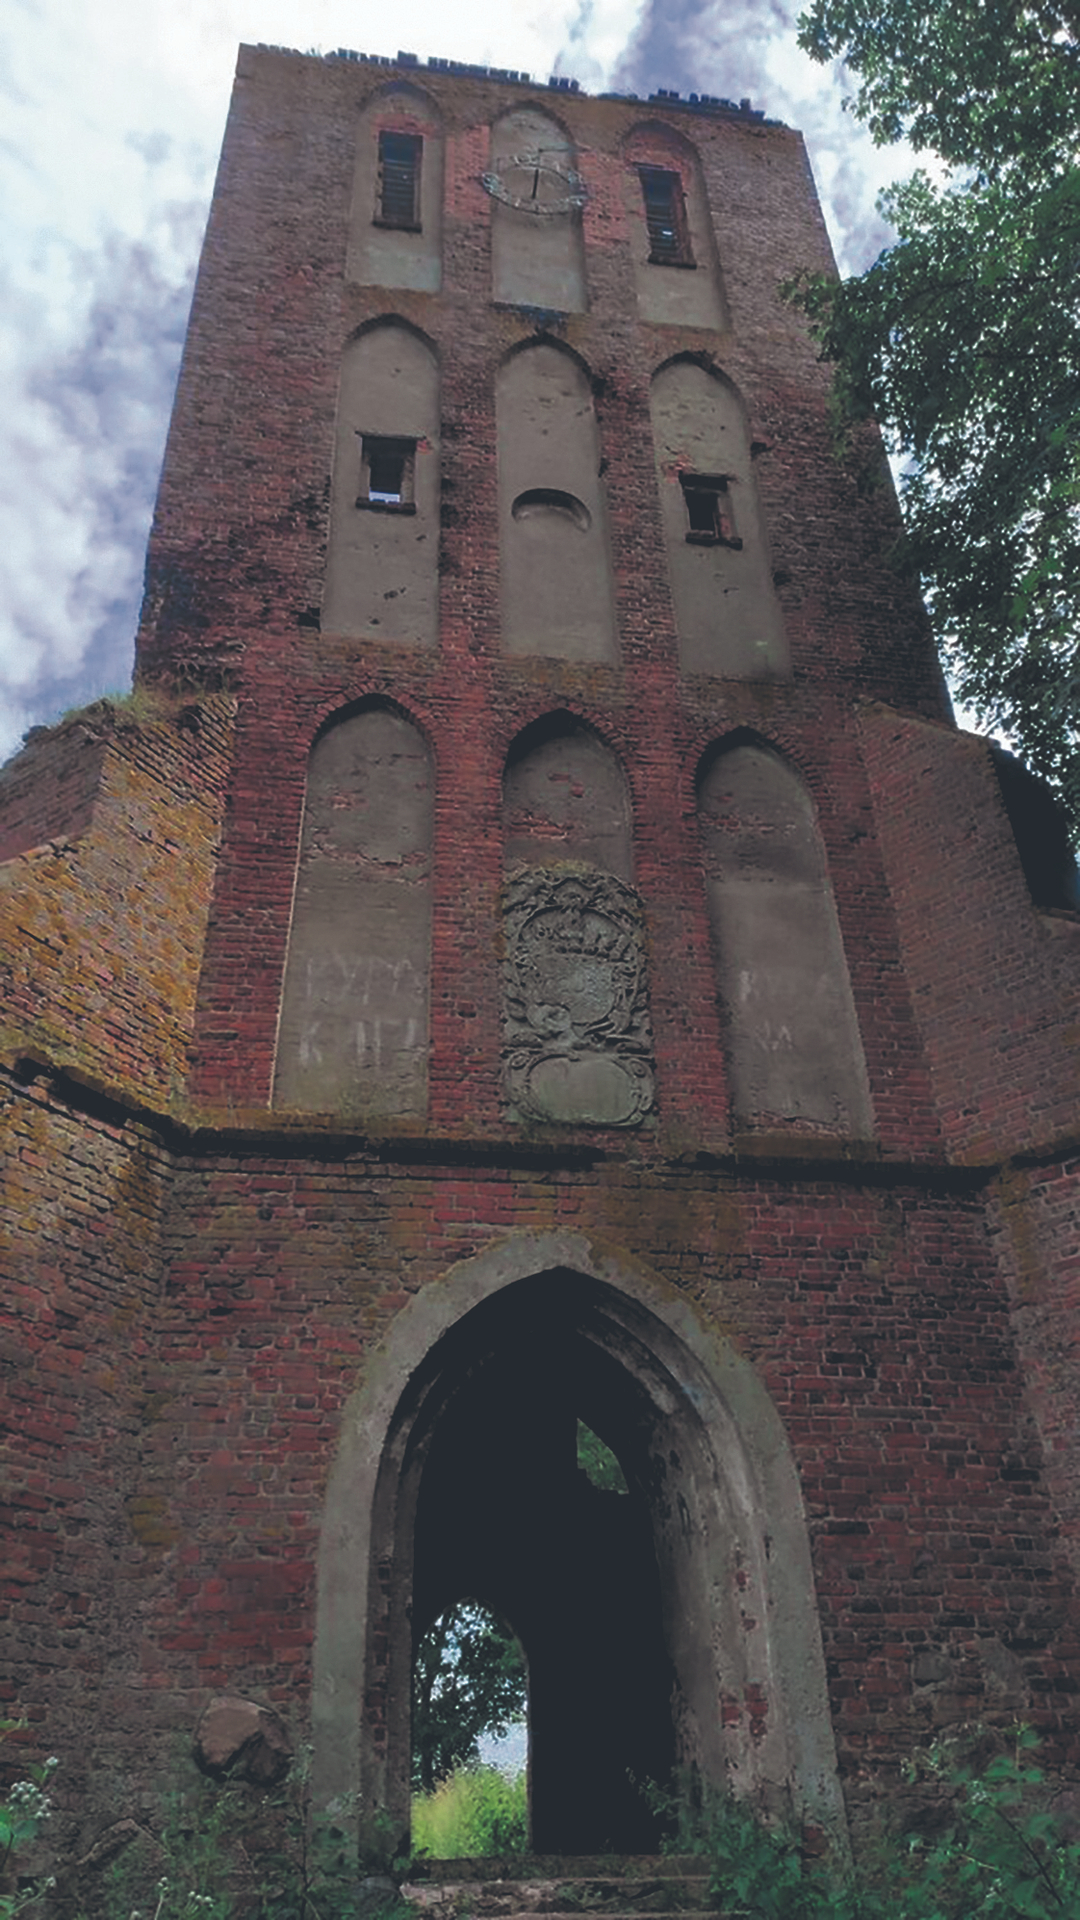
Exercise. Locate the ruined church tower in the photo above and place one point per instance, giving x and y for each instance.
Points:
(534, 951)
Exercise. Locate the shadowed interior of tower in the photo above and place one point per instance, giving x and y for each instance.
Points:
(505, 1514)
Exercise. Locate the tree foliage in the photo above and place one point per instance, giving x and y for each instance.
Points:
(980, 82)
(468, 1680)
(963, 339)
(596, 1460)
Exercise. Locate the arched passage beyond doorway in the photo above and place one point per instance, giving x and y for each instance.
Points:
(673, 1625)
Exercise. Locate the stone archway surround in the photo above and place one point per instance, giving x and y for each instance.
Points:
(751, 1708)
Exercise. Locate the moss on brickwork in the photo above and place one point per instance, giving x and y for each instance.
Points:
(103, 935)
(149, 1522)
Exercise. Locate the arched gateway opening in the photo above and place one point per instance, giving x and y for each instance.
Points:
(500, 1510)
(673, 1625)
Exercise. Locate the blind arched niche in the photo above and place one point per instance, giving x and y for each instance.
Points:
(537, 255)
(793, 1038)
(395, 222)
(382, 577)
(354, 1017)
(676, 266)
(556, 585)
(577, 1039)
(726, 612)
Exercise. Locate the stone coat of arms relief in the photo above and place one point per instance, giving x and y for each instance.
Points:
(576, 1033)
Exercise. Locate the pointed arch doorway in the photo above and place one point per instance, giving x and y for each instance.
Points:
(504, 1515)
(674, 1624)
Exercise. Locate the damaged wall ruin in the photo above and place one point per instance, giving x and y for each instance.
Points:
(812, 1278)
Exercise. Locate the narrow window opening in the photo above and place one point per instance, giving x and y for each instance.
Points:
(399, 181)
(597, 1462)
(665, 218)
(710, 521)
(387, 474)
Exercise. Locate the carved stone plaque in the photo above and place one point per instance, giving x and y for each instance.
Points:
(577, 1038)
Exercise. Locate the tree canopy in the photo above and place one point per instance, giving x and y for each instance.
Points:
(468, 1679)
(963, 338)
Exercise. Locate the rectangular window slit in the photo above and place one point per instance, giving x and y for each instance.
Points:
(710, 522)
(399, 180)
(665, 218)
(387, 473)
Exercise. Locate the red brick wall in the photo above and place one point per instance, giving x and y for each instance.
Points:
(993, 981)
(1037, 1230)
(470, 729)
(189, 1310)
(81, 1191)
(101, 935)
(238, 550)
(175, 1409)
(47, 791)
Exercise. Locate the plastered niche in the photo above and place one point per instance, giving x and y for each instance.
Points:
(354, 1018)
(794, 1043)
(382, 563)
(556, 583)
(678, 282)
(537, 254)
(385, 247)
(726, 612)
(565, 798)
(712, 1655)
(577, 1036)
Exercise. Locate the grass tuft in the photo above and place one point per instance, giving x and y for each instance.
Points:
(474, 1812)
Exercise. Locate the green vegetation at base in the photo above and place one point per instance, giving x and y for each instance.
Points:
(24, 1810)
(474, 1812)
(973, 1836)
(225, 1850)
(979, 1842)
(228, 1851)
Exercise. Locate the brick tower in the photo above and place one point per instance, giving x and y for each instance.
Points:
(533, 950)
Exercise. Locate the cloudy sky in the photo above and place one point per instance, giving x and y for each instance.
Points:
(112, 118)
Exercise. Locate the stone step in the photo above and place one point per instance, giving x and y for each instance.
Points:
(503, 1890)
(566, 1866)
(452, 1903)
